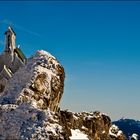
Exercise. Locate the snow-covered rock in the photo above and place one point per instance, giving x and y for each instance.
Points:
(24, 103)
(92, 126)
(29, 107)
(114, 132)
(39, 83)
(134, 137)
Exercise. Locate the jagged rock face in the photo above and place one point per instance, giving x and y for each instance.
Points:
(40, 83)
(26, 122)
(29, 107)
(95, 125)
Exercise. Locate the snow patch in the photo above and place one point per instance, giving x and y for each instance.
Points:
(54, 128)
(114, 131)
(77, 134)
(42, 52)
(89, 117)
(134, 136)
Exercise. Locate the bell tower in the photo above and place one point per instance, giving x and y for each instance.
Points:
(10, 40)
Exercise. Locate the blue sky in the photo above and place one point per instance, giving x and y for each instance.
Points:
(98, 43)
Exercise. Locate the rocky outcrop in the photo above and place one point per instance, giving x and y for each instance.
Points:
(29, 107)
(96, 125)
(26, 122)
(40, 83)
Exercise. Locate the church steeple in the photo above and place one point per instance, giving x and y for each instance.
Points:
(10, 40)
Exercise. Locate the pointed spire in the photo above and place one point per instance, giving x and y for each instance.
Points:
(10, 29)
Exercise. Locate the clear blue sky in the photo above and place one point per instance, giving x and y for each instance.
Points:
(98, 43)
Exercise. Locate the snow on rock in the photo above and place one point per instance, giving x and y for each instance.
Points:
(77, 134)
(134, 137)
(40, 83)
(29, 98)
(94, 124)
(29, 107)
(42, 52)
(115, 132)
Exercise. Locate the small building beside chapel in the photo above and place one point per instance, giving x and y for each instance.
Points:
(11, 59)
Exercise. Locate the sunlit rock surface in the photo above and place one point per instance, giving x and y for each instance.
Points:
(39, 83)
(29, 107)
